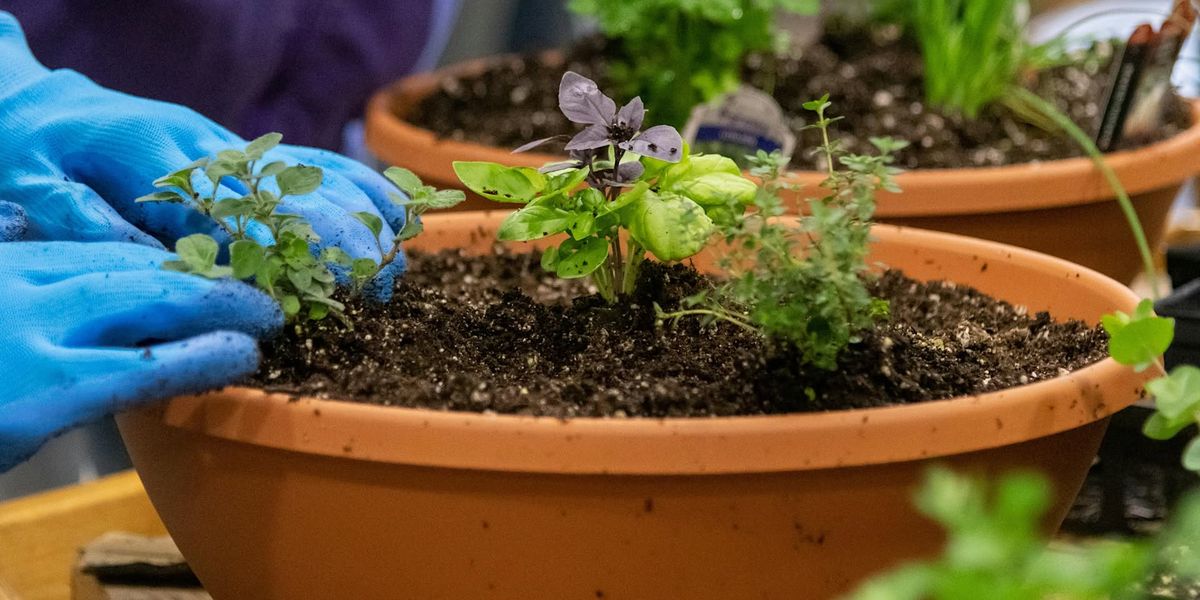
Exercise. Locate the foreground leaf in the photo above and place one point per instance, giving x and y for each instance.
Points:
(246, 258)
(299, 180)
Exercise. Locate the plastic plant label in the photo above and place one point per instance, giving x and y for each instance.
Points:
(738, 124)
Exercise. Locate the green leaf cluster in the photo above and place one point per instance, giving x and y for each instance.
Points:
(669, 210)
(995, 550)
(418, 199)
(802, 281)
(1138, 341)
(286, 269)
(677, 54)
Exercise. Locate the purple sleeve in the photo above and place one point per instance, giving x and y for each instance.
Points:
(301, 67)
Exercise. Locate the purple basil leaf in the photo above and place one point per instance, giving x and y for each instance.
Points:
(581, 100)
(661, 142)
(559, 166)
(536, 143)
(631, 114)
(629, 171)
(595, 136)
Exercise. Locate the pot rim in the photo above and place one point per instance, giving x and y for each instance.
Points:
(927, 192)
(683, 446)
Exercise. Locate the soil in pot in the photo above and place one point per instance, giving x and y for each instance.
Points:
(872, 74)
(496, 333)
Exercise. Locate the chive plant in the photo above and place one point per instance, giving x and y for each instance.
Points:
(975, 53)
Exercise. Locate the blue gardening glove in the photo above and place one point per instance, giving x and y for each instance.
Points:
(13, 223)
(91, 329)
(74, 156)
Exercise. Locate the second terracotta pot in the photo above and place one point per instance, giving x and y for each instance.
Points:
(272, 497)
(1063, 208)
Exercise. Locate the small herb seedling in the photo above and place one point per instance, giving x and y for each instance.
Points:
(803, 281)
(644, 183)
(418, 199)
(286, 268)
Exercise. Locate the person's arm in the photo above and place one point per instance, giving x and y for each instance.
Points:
(75, 156)
(91, 329)
(301, 67)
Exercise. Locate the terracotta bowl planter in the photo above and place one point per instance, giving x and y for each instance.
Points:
(272, 497)
(1063, 208)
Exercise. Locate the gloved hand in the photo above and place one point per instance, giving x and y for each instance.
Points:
(74, 156)
(91, 329)
(12, 222)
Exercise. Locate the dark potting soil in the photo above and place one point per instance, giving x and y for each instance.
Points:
(498, 334)
(874, 78)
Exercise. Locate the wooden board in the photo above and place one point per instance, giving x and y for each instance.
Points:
(40, 535)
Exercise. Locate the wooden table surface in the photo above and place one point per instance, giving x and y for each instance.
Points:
(40, 535)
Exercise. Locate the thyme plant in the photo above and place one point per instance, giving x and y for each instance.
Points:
(643, 183)
(803, 281)
(286, 268)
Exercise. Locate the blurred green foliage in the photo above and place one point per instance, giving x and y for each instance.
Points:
(995, 550)
(677, 54)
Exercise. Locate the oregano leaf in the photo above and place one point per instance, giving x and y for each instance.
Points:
(404, 179)
(290, 305)
(172, 197)
(246, 258)
(371, 221)
(299, 180)
(337, 256)
(198, 251)
(412, 228)
(272, 169)
(262, 144)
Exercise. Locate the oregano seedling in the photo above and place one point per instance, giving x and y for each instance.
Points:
(286, 268)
